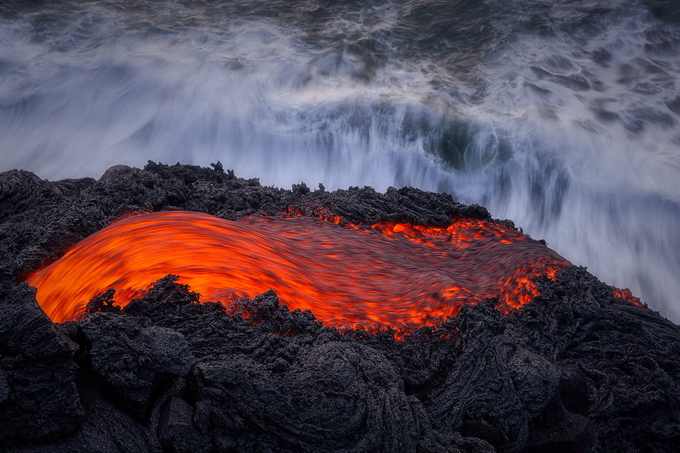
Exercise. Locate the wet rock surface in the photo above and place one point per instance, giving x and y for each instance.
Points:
(575, 370)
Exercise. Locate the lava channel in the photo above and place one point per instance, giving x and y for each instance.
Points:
(388, 275)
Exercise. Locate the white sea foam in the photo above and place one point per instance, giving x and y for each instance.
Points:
(573, 135)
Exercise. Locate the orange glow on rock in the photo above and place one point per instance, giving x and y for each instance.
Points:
(626, 295)
(396, 275)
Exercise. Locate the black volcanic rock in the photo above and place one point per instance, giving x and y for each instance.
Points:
(575, 370)
(38, 395)
(40, 219)
(132, 357)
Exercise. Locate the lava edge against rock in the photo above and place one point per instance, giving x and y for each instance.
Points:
(575, 370)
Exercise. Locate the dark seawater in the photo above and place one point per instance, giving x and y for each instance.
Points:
(561, 115)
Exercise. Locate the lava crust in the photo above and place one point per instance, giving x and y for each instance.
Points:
(578, 368)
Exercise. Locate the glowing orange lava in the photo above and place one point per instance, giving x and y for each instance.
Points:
(626, 295)
(389, 275)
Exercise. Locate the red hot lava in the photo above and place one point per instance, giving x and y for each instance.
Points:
(395, 275)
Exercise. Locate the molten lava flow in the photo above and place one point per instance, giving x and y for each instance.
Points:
(626, 295)
(390, 275)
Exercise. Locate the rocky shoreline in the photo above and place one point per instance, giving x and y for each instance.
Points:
(577, 369)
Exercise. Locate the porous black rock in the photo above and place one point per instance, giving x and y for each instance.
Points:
(132, 357)
(575, 370)
(39, 220)
(38, 396)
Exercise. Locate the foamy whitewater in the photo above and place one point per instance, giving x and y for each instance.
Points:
(560, 115)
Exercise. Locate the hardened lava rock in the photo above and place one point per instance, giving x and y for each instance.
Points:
(38, 394)
(576, 370)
